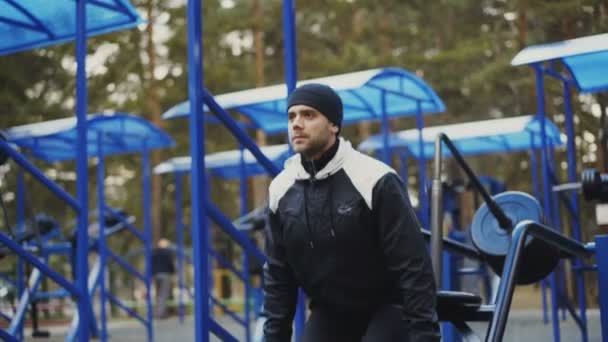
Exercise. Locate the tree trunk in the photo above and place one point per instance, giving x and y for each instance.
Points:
(259, 185)
(154, 112)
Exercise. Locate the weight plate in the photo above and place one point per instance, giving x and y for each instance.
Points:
(486, 233)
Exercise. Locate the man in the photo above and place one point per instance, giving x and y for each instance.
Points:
(341, 226)
(162, 273)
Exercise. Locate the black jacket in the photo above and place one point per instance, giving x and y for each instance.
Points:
(349, 237)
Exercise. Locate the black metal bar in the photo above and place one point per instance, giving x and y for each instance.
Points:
(501, 217)
(507, 284)
(456, 246)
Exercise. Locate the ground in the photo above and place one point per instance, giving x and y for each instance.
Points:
(524, 325)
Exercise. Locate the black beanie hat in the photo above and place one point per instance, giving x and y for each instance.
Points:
(320, 97)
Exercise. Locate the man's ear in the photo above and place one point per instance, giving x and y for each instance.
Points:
(335, 129)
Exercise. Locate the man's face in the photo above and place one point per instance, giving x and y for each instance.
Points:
(310, 132)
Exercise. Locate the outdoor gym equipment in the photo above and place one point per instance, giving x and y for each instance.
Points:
(593, 185)
(493, 240)
(516, 226)
(494, 220)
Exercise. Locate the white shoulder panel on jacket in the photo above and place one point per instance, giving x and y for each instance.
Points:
(364, 172)
(279, 186)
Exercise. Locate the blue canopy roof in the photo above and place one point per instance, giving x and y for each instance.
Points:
(227, 164)
(478, 137)
(56, 140)
(28, 24)
(361, 93)
(586, 58)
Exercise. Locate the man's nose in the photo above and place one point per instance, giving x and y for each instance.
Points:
(296, 122)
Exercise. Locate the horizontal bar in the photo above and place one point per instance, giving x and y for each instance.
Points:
(585, 268)
(57, 248)
(127, 309)
(470, 271)
(38, 264)
(223, 262)
(567, 187)
(456, 246)
(220, 332)
(227, 310)
(51, 294)
(36, 173)
(126, 265)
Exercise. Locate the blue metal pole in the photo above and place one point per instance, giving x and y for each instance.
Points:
(424, 203)
(601, 250)
(84, 302)
(289, 32)
(179, 228)
(557, 224)
(101, 237)
(575, 219)
(200, 231)
(540, 97)
(386, 148)
(448, 331)
(148, 232)
(20, 229)
(245, 258)
(535, 186)
(291, 77)
(247, 296)
(242, 181)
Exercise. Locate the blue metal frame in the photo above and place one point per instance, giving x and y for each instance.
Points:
(84, 302)
(601, 251)
(199, 228)
(522, 230)
(200, 203)
(148, 233)
(20, 229)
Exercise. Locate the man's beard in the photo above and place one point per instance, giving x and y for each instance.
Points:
(314, 150)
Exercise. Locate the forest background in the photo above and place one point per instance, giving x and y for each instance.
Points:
(462, 48)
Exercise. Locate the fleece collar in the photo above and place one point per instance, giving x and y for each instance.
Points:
(294, 163)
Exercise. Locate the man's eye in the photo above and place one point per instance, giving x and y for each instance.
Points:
(308, 115)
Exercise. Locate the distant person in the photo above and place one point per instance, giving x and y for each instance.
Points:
(341, 226)
(162, 273)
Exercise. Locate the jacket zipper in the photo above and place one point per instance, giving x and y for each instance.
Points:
(312, 183)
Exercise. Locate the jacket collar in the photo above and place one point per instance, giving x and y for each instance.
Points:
(294, 163)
